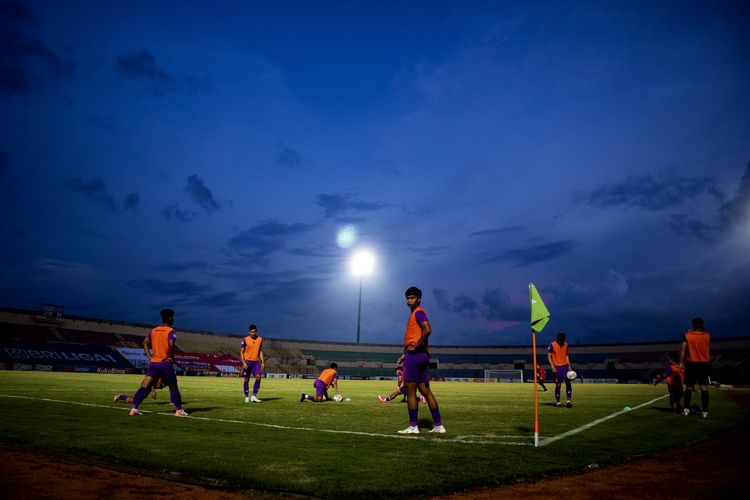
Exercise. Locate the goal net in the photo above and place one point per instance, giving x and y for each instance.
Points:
(503, 375)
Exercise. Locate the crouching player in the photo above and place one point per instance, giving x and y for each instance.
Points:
(400, 389)
(327, 377)
(124, 398)
(674, 377)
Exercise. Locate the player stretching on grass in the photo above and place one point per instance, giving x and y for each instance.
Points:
(124, 398)
(161, 365)
(695, 358)
(416, 363)
(541, 375)
(327, 377)
(401, 387)
(674, 377)
(557, 355)
(251, 352)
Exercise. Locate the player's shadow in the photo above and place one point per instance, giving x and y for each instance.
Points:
(193, 411)
(425, 423)
(522, 428)
(553, 405)
(660, 409)
(270, 399)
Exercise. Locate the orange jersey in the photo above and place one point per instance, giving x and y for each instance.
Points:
(160, 338)
(251, 347)
(413, 330)
(697, 346)
(327, 376)
(558, 353)
(676, 377)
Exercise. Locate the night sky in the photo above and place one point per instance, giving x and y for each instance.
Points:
(211, 157)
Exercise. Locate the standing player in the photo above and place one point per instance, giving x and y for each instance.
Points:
(557, 355)
(674, 377)
(695, 359)
(417, 362)
(541, 375)
(327, 377)
(161, 364)
(251, 352)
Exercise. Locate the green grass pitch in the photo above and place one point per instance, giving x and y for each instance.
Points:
(348, 449)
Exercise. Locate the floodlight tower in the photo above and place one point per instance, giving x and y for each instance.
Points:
(362, 263)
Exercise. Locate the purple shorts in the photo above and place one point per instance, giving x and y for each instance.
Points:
(163, 370)
(320, 388)
(253, 368)
(415, 367)
(560, 374)
(402, 389)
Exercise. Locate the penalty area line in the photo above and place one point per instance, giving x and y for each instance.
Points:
(456, 440)
(546, 441)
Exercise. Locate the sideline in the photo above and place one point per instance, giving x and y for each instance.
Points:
(517, 440)
(546, 441)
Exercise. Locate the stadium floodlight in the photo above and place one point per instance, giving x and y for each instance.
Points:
(362, 264)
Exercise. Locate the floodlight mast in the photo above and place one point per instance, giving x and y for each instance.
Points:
(362, 263)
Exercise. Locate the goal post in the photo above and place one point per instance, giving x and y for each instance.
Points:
(503, 376)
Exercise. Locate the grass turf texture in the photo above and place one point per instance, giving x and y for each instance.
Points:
(348, 449)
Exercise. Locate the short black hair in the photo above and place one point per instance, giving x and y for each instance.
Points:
(166, 315)
(697, 322)
(252, 327)
(560, 337)
(412, 290)
(334, 365)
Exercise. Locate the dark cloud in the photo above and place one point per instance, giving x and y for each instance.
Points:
(336, 204)
(531, 254)
(288, 158)
(175, 212)
(495, 232)
(649, 193)
(180, 266)
(132, 202)
(222, 299)
(266, 238)
(105, 123)
(94, 190)
(141, 65)
(499, 307)
(203, 196)
(736, 210)
(687, 226)
(173, 288)
(604, 288)
(26, 62)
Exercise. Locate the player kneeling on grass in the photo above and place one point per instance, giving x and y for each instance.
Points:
(674, 377)
(557, 355)
(161, 364)
(327, 377)
(400, 388)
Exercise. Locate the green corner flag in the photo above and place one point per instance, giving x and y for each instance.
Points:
(539, 312)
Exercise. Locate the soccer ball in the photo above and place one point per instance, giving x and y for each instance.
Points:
(338, 398)
(571, 375)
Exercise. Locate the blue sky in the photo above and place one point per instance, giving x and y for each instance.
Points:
(204, 158)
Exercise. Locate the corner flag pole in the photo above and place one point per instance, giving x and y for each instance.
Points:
(539, 318)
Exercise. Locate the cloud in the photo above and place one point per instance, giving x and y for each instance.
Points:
(266, 238)
(649, 193)
(180, 266)
(141, 65)
(95, 191)
(222, 299)
(203, 196)
(175, 212)
(495, 305)
(336, 204)
(497, 231)
(288, 158)
(737, 210)
(532, 254)
(608, 286)
(104, 123)
(132, 202)
(172, 288)
(687, 226)
(26, 62)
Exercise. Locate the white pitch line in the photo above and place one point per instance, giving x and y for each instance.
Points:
(546, 441)
(457, 439)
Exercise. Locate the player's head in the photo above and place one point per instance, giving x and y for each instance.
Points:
(399, 368)
(334, 366)
(560, 338)
(252, 330)
(697, 323)
(538, 365)
(167, 316)
(413, 297)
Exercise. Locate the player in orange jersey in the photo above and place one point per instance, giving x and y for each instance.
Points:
(695, 359)
(327, 377)
(251, 354)
(557, 355)
(674, 377)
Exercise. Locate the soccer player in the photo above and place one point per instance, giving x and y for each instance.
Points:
(557, 355)
(695, 359)
(417, 362)
(327, 377)
(541, 375)
(161, 364)
(674, 377)
(400, 388)
(251, 354)
(122, 397)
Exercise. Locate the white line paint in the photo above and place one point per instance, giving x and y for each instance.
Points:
(546, 441)
(457, 439)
